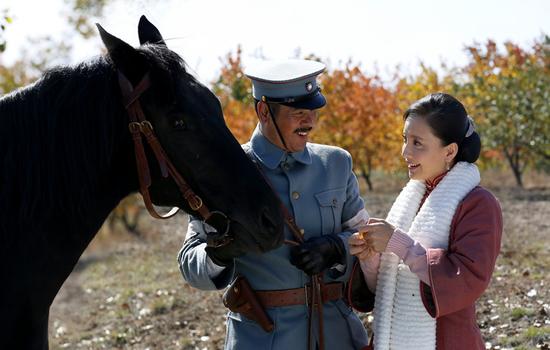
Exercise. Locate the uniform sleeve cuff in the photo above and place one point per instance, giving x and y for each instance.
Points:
(399, 243)
(212, 269)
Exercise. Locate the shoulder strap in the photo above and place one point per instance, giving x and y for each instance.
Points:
(317, 283)
(289, 219)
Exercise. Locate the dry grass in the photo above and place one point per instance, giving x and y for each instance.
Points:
(515, 313)
(127, 292)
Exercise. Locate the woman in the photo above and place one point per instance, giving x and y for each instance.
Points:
(434, 255)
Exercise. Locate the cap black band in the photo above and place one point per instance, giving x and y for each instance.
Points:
(293, 99)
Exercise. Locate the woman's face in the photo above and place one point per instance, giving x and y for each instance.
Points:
(424, 153)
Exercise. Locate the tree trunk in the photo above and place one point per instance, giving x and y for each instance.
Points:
(366, 177)
(514, 162)
(365, 174)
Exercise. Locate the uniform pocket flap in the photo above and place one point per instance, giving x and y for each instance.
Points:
(331, 198)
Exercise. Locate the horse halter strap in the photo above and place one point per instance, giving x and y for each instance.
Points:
(139, 126)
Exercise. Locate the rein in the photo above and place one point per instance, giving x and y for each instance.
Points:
(317, 283)
(140, 127)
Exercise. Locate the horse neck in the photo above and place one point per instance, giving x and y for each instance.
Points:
(66, 163)
(68, 151)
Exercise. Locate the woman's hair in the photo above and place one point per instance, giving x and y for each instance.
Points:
(450, 122)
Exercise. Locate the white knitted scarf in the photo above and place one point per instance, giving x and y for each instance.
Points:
(400, 319)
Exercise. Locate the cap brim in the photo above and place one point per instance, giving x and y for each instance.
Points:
(316, 101)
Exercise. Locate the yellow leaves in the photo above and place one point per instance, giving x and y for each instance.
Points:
(240, 118)
(360, 117)
(506, 92)
(235, 93)
(14, 76)
(4, 20)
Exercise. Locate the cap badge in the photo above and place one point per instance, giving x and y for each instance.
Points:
(309, 86)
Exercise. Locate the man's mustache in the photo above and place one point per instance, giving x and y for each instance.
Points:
(303, 129)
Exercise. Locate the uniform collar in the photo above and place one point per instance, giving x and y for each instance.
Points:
(271, 156)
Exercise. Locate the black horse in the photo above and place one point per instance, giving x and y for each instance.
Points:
(67, 159)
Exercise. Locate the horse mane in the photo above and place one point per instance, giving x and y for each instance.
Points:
(59, 135)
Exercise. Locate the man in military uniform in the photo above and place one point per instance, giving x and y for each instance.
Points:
(317, 185)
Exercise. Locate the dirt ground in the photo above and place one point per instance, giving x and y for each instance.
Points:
(127, 292)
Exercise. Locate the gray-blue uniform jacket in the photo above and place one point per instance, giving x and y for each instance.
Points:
(321, 191)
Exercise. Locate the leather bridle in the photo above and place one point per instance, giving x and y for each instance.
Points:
(139, 126)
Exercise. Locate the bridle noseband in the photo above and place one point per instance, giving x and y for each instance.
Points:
(139, 126)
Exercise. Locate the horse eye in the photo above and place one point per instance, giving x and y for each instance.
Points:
(179, 124)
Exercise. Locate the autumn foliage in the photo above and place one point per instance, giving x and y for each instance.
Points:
(505, 88)
(362, 117)
(235, 93)
(361, 114)
(509, 93)
(506, 91)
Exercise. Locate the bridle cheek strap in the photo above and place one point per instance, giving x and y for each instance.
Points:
(139, 126)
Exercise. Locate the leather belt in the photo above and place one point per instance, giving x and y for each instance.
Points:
(299, 296)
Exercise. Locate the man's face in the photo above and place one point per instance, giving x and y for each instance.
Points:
(295, 125)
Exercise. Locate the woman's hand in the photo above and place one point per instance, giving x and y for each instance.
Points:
(358, 246)
(378, 234)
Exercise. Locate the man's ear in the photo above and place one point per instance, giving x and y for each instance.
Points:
(263, 112)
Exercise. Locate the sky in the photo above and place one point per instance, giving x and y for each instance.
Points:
(377, 34)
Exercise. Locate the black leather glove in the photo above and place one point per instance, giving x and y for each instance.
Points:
(318, 254)
(223, 256)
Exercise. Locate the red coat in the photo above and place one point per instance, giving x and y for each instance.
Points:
(458, 275)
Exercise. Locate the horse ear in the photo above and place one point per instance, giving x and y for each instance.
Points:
(124, 56)
(112, 43)
(148, 33)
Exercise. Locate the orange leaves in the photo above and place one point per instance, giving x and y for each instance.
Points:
(506, 92)
(235, 93)
(360, 116)
(240, 118)
(232, 84)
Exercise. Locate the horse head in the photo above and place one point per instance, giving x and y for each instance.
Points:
(187, 119)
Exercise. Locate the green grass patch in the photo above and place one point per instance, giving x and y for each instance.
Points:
(536, 333)
(529, 338)
(519, 312)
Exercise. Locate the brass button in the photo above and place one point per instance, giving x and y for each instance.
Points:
(334, 201)
(295, 195)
